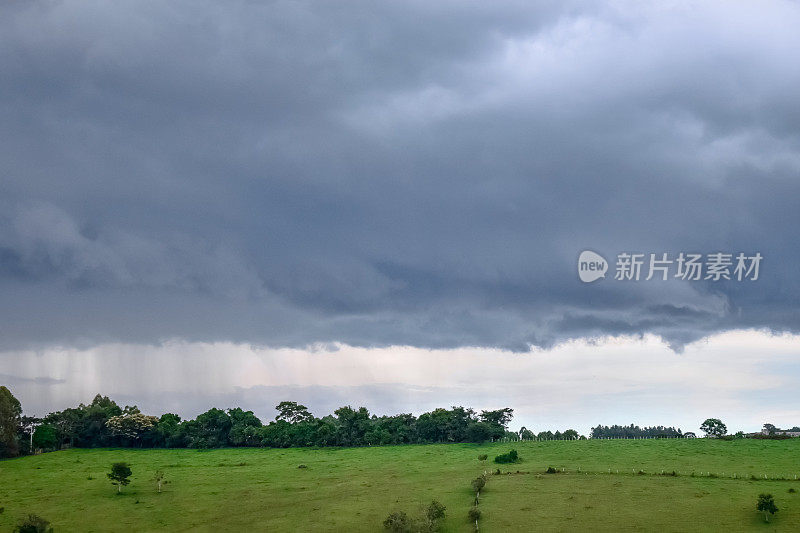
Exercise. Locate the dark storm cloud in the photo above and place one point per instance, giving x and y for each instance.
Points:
(399, 173)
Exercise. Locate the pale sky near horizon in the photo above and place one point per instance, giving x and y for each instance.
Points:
(746, 378)
(410, 183)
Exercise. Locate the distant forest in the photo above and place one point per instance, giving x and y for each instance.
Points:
(103, 423)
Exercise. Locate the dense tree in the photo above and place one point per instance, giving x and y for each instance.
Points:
(131, 427)
(45, 437)
(293, 412)
(500, 417)
(10, 419)
(570, 434)
(209, 430)
(104, 423)
(353, 426)
(713, 427)
(632, 431)
(479, 432)
(244, 428)
(168, 432)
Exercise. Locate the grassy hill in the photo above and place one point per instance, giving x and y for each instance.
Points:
(607, 485)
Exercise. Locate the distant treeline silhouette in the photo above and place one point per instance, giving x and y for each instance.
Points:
(629, 432)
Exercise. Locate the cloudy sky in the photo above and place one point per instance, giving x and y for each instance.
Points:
(237, 203)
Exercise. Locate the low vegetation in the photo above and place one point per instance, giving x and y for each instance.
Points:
(598, 487)
(507, 458)
(428, 520)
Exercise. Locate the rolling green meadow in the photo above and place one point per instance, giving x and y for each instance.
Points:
(601, 485)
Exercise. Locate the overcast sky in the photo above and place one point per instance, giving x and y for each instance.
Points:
(327, 188)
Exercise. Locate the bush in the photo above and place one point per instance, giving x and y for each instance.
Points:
(398, 522)
(790, 490)
(474, 514)
(33, 524)
(434, 512)
(483, 457)
(510, 457)
(551, 470)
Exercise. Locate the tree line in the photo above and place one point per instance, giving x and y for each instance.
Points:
(629, 432)
(103, 423)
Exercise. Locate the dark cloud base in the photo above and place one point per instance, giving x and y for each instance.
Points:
(293, 173)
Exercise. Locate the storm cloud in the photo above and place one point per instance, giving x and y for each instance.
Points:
(376, 174)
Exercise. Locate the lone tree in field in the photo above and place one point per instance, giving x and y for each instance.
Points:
(713, 427)
(158, 477)
(120, 472)
(766, 504)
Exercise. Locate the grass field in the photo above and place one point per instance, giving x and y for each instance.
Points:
(353, 489)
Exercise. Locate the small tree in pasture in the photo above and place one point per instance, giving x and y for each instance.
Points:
(158, 477)
(766, 504)
(119, 475)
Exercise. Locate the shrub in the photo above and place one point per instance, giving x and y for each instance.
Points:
(33, 524)
(510, 457)
(474, 514)
(790, 490)
(434, 512)
(551, 470)
(302, 466)
(483, 457)
(397, 522)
